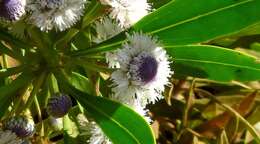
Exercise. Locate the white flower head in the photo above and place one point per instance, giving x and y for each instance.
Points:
(97, 135)
(128, 12)
(7, 137)
(57, 14)
(144, 71)
(107, 28)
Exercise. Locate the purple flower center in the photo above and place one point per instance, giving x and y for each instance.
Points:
(148, 69)
(21, 126)
(11, 9)
(143, 68)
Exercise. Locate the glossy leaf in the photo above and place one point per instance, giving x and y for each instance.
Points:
(120, 123)
(80, 82)
(182, 22)
(189, 21)
(214, 63)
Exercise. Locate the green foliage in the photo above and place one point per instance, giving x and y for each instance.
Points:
(214, 63)
(112, 116)
(212, 97)
(180, 23)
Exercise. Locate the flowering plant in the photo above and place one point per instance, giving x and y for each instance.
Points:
(94, 71)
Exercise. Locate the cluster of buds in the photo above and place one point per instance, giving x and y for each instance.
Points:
(20, 125)
(59, 105)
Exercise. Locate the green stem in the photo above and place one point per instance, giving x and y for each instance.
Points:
(53, 84)
(61, 43)
(19, 101)
(92, 66)
(5, 61)
(5, 65)
(37, 85)
(108, 45)
(38, 108)
(97, 49)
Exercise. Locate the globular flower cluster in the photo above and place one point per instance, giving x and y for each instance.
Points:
(57, 14)
(20, 125)
(59, 105)
(45, 14)
(143, 70)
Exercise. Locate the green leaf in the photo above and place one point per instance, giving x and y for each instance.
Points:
(214, 63)
(80, 82)
(158, 3)
(8, 91)
(120, 123)
(188, 21)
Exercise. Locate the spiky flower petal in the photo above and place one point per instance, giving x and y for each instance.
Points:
(7, 137)
(20, 125)
(59, 105)
(106, 28)
(128, 12)
(97, 135)
(55, 14)
(144, 71)
(12, 10)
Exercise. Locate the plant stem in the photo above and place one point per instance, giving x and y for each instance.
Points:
(92, 66)
(5, 66)
(53, 84)
(38, 108)
(188, 105)
(36, 86)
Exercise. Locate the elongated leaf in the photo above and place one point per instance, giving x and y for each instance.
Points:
(120, 123)
(214, 63)
(80, 82)
(9, 52)
(7, 92)
(189, 21)
(11, 71)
